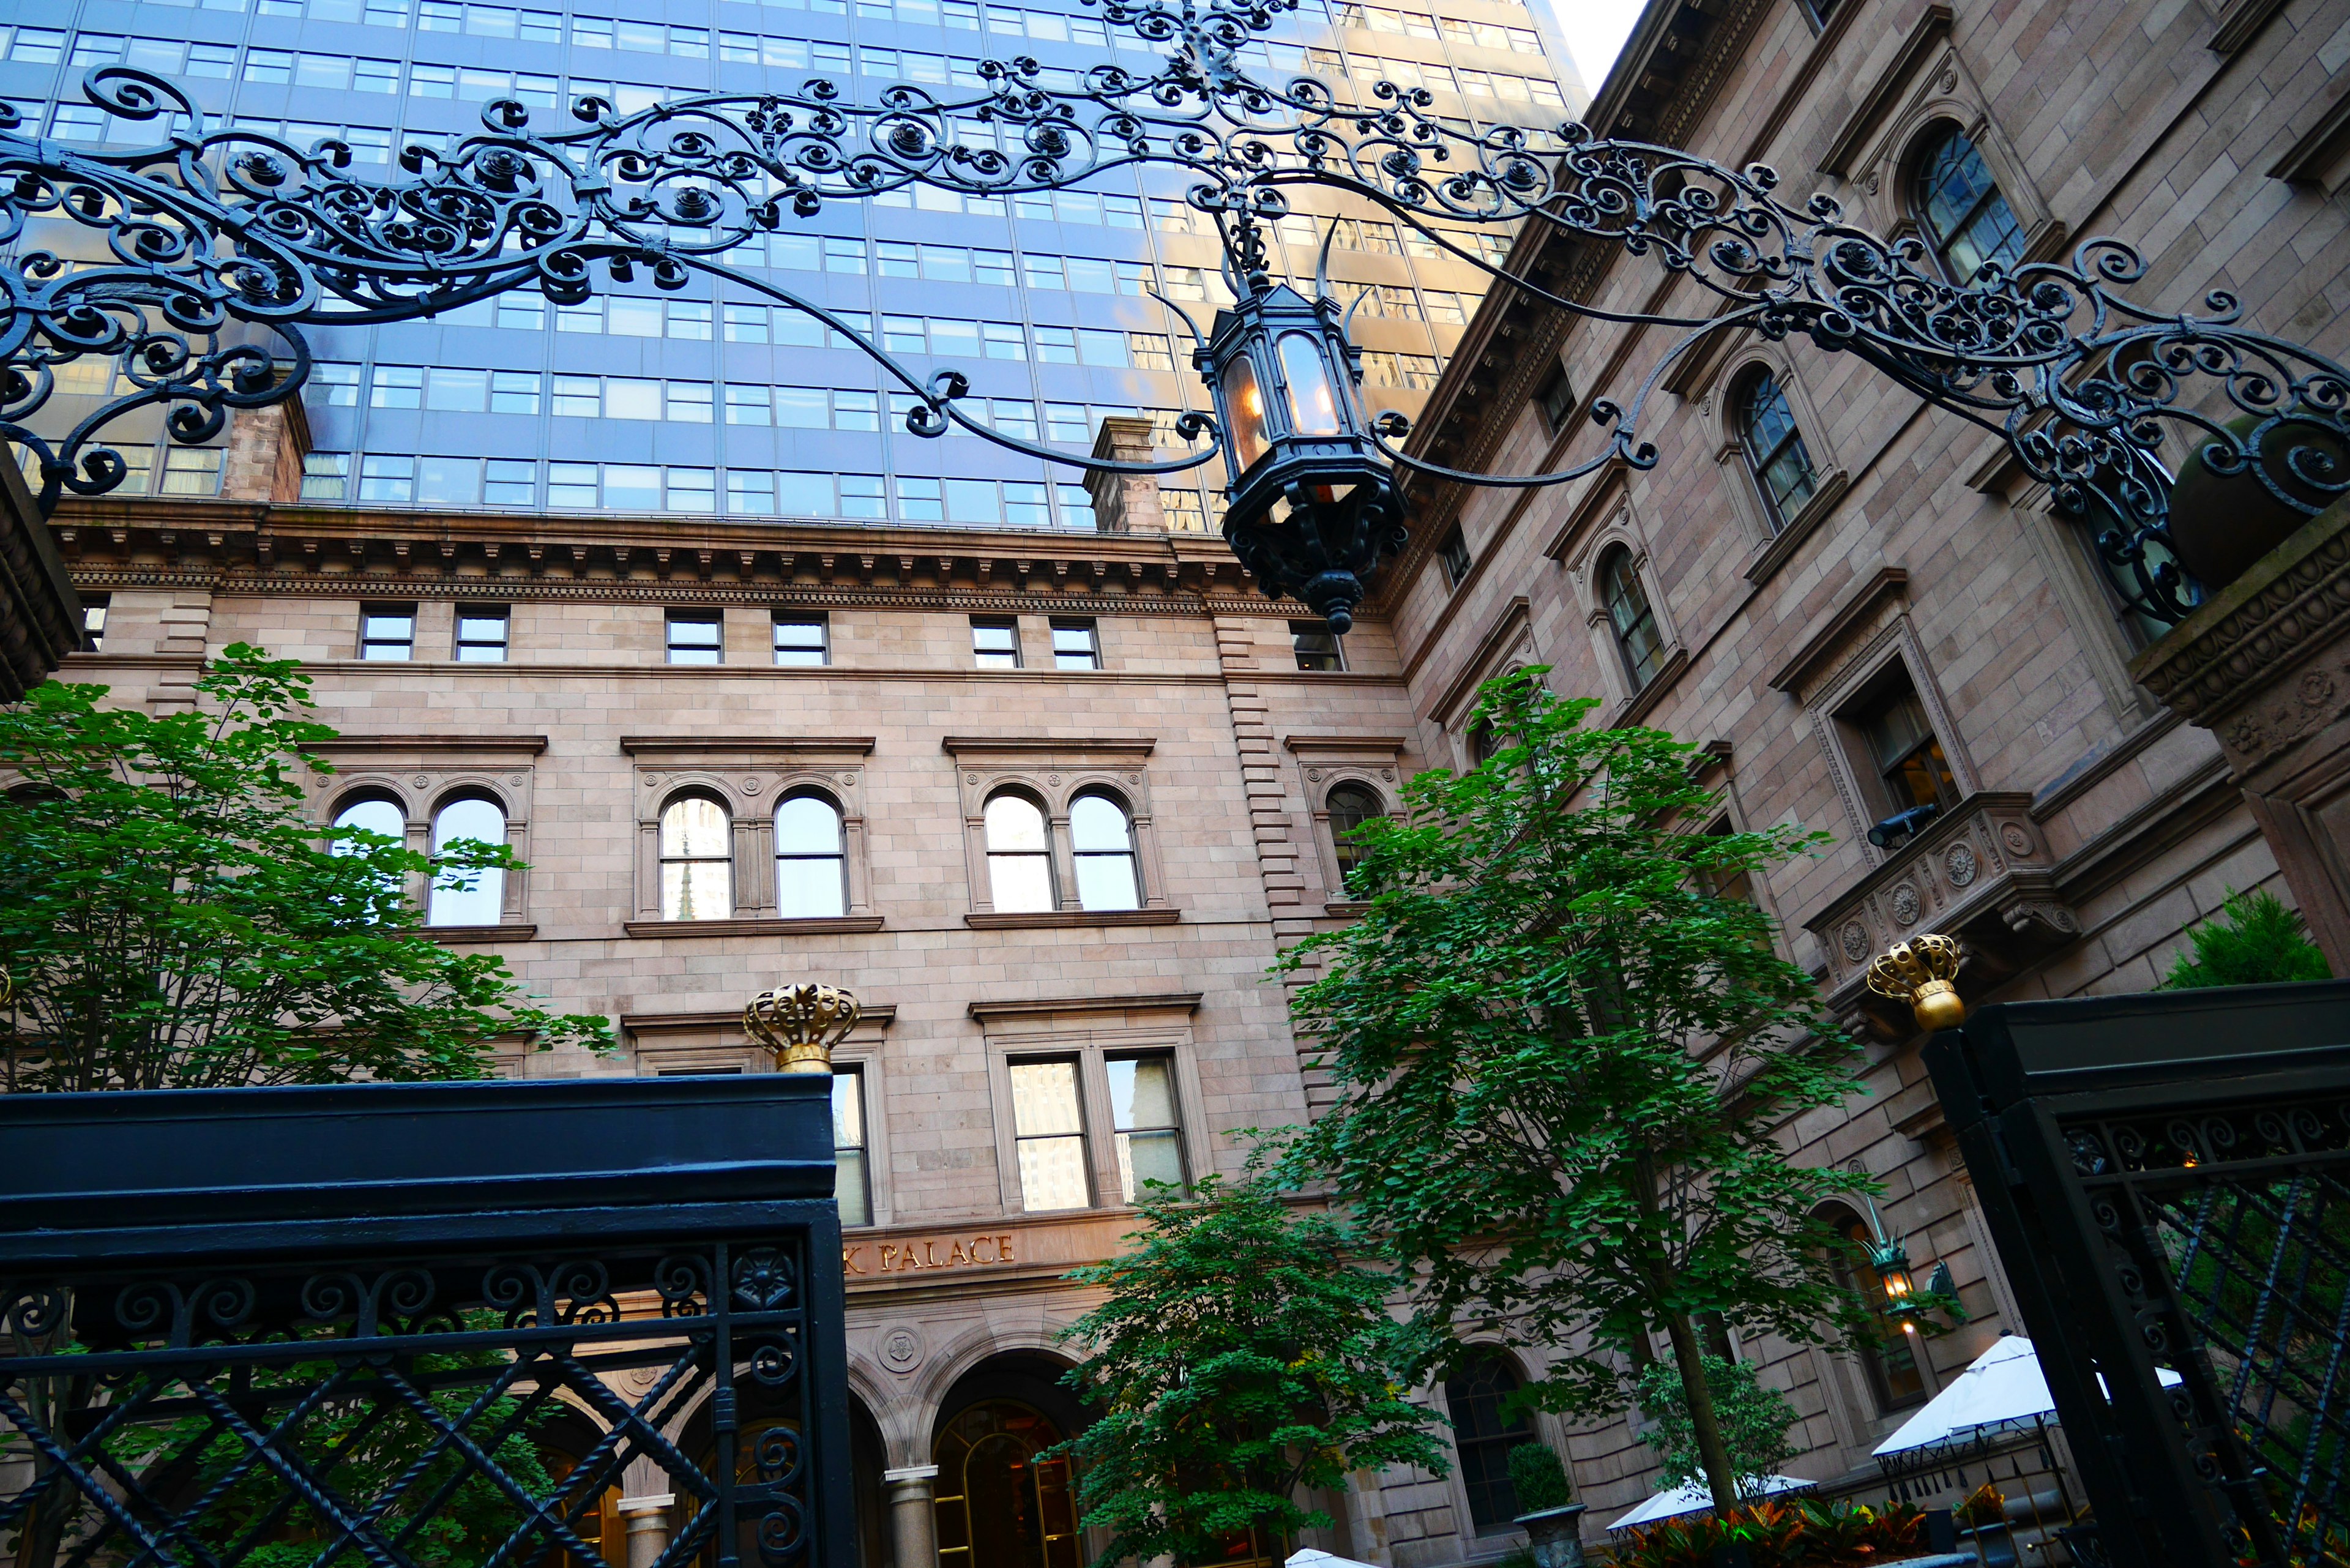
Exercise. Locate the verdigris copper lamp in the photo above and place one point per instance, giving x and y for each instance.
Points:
(1923, 972)
(1313, 504)
(801, 1024)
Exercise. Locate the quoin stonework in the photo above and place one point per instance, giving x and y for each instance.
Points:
(1050, 799)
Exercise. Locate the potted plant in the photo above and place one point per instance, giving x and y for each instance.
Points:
(1985, 1514)
(1552, 1520)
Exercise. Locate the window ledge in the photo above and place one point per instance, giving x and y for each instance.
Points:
(993, 921)
(1644, 699)
(816, 926)
(1346, 908)
(459, 936)
(1774, 555)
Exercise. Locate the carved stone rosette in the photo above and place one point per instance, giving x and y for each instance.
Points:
(801, 1024)
(1982, 873)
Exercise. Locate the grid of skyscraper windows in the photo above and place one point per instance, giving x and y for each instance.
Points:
(715, 400)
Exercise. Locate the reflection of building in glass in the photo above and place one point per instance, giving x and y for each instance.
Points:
(703, 401)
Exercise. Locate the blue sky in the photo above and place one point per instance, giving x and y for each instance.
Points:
(1594, 31)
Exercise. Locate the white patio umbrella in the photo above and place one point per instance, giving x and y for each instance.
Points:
(1695, 1497)
(2001, 1388)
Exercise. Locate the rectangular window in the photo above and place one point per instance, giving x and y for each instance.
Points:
(387, 633)
(801, 640)
(995, 644)
(326, 475)
(457, 391)
(1024, 505)
(627, 318)
(1454, 553)
(1049, 1135)
(1150, 350)
(93, 623)
(1076, 505)
(630, 398)
(571, 484)
(1005, 340)
(689, 402)
(691, 490)
(1142, 1116)
(1076, 644)
(855, 411)
(852, 1189)
(844, 256)
(1556, 401)
(861, 497)
(750, 493)
(510, 482)
(1057, 345)
(512, 391)
(578, 397)
(387, 479)
(1317, 648)
(397, 387)
(1912, 772)
(481, 634)
(695, 637)
(1183, 511)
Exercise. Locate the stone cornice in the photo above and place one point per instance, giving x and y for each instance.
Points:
(2285, 608)
(742, 745)
(1048, 1006)
(1043, 747)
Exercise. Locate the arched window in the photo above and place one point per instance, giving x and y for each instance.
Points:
(697, 859)
(811, 871)
(1894, 1380)
(1351, 806)
(1484, 1436)
(1102, 841)
(1774, 448)
(374, 815)
(1019, 855)
(1958, 203)
(1628, 613)
(467, 897)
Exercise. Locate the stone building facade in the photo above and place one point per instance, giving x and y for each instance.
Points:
(1060, 993)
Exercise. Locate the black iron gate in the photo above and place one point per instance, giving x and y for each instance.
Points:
(2167, 1180)
(424, 1327)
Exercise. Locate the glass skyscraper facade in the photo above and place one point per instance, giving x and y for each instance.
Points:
(709, 400)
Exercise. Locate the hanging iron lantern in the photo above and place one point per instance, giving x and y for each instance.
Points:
(1311, 504)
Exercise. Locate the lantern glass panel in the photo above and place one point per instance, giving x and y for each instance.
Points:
(1244, 413)
(1313, 401)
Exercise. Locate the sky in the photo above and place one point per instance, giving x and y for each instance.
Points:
(1594, 31)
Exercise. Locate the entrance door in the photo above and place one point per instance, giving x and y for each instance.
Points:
(998, 1505)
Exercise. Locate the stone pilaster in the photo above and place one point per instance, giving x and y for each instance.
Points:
(1126, 502)
(913, 1515)
(2265, 666)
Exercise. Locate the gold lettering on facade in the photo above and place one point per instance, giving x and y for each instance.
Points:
(962, 1252)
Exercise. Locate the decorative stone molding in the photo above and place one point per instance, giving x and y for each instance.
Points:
(1983, 873)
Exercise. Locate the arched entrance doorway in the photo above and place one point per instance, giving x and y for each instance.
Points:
(999, 1505)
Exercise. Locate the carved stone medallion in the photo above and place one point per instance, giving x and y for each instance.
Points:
(901, 1349)
(1905, 903)
(1961, 865)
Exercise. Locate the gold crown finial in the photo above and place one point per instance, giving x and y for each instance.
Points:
(1921, 971)
(801, 1024)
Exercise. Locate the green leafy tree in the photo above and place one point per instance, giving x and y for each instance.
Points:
(2254, 940)
(1564, 1050)
(171, 917)
(1753, 1419)
(1240, 1357)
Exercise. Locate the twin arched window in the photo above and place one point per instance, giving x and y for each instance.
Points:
(697, 858)
(1773, 447)
(1958, 204)
(1020, 853)
(1628, 613)
(456, 898)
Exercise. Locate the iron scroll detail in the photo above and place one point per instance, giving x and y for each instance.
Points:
(225, 245)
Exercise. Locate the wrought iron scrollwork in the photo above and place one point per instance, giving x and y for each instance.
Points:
(225, 244)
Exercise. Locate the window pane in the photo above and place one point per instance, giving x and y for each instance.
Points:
(808, 888)
(1096, 823)
(1147, 1156)
(1020, 884)
(1141, 1094)
(850, 1189)
(1106, 882)
(696, 890)
(1053, 1173)
(373, 816)
(807, 825)
(473, 898)
(1014, 824)
(1044, 1098)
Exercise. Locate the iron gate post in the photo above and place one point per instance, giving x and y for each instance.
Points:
(2166, 1179)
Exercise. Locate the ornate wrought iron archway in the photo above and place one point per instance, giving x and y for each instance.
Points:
(213, 232)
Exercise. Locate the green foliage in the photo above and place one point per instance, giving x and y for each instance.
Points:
(1562, 1056)
(2254, 940)
(1239, 1357)
(1754, 1421)
(174, 918)
(1538, 1478)
(1805, 1534)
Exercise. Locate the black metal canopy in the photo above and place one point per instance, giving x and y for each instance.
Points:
(215, 232)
